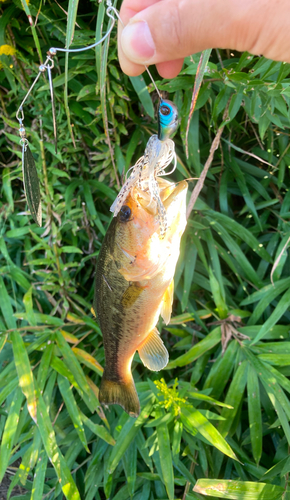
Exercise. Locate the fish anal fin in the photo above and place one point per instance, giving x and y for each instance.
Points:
(153, 352)
(166, 308)
(131, 295)
(120, 393)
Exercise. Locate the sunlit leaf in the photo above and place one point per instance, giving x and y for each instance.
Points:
(238, 490)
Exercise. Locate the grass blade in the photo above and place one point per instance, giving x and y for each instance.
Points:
(6, 307)
(53, 452)
(10, 428)
(165, 455)
(141, 89)
(233, 398)
(238, 490)
(130, 465)
(279, 310)
(255, 417)
(204, 58)
(126, 436)
(212, 339)
(24, 373)
(39, 477)
(99, 430)
(193, 419)
(72, 408)
(72, 363)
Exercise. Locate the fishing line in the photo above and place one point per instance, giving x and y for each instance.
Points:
(30, 176)
(146, 67)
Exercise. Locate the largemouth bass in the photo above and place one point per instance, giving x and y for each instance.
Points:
(134, 285)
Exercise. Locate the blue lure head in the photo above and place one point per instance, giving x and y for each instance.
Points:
(167, 119)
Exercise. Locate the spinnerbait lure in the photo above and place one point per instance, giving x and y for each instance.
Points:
(159, 153)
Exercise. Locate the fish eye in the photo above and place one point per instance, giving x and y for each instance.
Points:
(125, 213)
(165, 110)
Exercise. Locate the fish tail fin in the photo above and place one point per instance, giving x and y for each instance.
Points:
(120, 393)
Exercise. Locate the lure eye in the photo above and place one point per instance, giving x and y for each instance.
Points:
(125, 213)
(165, 110)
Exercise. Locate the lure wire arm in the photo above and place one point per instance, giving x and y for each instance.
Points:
(53, 51)
(30, 176)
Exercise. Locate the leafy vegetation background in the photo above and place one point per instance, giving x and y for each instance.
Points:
(220, 410)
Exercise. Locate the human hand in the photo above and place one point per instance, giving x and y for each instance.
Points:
(163, 32)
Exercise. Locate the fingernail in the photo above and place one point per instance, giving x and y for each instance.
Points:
(137, 42)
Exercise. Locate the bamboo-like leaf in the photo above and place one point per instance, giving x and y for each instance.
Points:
(234, 248)
(88, 360)
(5, 306)
(39, 476)
(191, 254)
(24, 373)
(73, 364)
(126, 436)
(212, 339)
(271, 384)
(72, 408)
(241, 232)
(3, 338)
(123, 493)
(193, 419)
(6, 180)
(217, 296)
(29, 459)
(233, 398)
(54, 454)
(280, 309)
(28, 304)
(10, 428)
(203, 397)
(97, 429)
(141, 89)
(204, 58)
(244, 190)
(255, 417)
(143, 450)
(130, 465)
(165, 455)
(58, 365)
(71, 20)
(238, 490)
(44, 366)
(25, 5)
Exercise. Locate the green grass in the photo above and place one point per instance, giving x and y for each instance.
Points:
(220, 411)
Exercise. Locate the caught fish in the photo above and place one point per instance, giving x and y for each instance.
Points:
(134, 285)
(159, 153)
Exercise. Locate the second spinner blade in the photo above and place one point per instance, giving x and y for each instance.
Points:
(31, 185)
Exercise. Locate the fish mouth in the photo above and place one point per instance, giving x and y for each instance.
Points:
(174, 193)
(169, 193)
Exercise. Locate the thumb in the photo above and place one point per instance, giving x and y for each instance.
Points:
(170, 30)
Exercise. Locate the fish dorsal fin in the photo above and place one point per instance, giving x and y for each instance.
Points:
(166, 308)
(153, 352)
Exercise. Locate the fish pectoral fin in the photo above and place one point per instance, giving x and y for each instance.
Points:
(153, 352)
(131, 295)
(166, 308)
